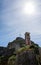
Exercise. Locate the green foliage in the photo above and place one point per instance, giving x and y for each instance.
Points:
(11, 60)
(3, 60)
(24, 49)
(36, 48)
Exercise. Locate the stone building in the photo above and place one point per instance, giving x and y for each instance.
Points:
(27, 38)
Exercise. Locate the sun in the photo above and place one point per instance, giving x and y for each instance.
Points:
(29, 8)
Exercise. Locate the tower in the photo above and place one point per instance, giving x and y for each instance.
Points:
(27, 38)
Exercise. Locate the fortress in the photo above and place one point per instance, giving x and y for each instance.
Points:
(20, 42)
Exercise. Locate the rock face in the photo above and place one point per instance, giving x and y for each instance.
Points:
(16, 44)
(26, 58)
(2, 50)
(40, 50)
(6, 52)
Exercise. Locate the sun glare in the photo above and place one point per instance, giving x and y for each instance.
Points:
(29, 8)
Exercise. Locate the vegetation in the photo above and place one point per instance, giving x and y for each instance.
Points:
(23, 49)
(36, 48)
(11, 60)
(3, 60)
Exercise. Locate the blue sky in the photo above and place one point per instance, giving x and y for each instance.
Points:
(14, 22)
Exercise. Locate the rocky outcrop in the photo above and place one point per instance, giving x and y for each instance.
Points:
(6, 52)
(26, 58)
(17, 43)
(2, 50)
(40, 50)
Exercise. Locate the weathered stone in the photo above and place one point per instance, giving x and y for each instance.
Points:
(26, 58)
(27, 38)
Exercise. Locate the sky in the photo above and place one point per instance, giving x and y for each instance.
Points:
(15, 21)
